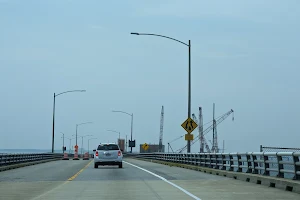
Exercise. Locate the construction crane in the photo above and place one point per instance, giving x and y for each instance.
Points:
(220, 149)
(215, 146)
(160, 146)
(202, 138)
(219, 120)
(169, 143)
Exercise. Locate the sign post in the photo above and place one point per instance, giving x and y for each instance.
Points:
(189, 126)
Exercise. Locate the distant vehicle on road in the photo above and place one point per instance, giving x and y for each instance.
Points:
(108, 154)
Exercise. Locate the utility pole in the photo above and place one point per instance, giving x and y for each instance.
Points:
(213, 143)
(131, 129)
(63, 142)
(53, 121)
(82, 146)
(189, 95)
(189, 74)
(131, 132)
(53, 115)
(126, 144)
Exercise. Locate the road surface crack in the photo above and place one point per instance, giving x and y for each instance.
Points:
(152, 190)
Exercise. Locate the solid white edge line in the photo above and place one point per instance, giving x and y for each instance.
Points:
(165, 180)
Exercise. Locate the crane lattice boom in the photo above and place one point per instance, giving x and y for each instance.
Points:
(220, 119)
(201, 135)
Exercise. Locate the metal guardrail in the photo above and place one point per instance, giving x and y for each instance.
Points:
(277, 164)
(10, 159)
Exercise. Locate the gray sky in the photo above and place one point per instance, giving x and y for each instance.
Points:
(245, 57)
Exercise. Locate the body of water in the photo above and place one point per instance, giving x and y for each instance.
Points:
(20, 151)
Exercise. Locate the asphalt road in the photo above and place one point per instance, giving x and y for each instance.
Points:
(136, 180)
(28, 182)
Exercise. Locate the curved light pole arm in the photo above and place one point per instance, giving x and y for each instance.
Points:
(53, 117)
(89, 144)
(84, 123)
(79, 125)
(70, 91)
(161, 36)
(131, 129)
(189, 74)
(122, 112)
(115, 132)
(82, 136)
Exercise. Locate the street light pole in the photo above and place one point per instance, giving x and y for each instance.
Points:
(89, 144)
(189, 96)
(82, 136)
(81, 145)
(126, 144)
(189, 74)
(115, 132)
(53, 123)
(76, 135)
(131, 129)
(79, 125)
(63, 142)
(69, 143)
(53, 117)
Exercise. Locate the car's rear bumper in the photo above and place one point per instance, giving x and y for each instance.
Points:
(108, 161)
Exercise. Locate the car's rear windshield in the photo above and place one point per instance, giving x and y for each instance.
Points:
(108, 147)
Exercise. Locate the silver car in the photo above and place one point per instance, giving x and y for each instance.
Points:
(108, 154)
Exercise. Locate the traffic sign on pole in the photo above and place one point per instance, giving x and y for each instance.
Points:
(145, 146)
(189, 126)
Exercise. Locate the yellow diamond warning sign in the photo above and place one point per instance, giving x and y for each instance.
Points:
(189, 125)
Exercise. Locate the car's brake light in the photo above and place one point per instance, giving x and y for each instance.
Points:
(96, 153)
(119, 153)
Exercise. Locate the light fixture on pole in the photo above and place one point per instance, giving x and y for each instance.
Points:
(53, 122)
(131, 143)
(63, 141)
(115, 132)
(189, 75)
(82, 136)
(89, 144)
(80, 125)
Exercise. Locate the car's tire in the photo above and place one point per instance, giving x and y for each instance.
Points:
(95, 165)
(121, 165)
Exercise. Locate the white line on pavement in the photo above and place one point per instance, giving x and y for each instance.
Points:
(165, 180)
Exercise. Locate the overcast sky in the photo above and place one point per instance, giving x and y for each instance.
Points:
(245, 57)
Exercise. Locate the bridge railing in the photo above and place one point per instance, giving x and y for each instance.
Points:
(277, 164)
(10, 159)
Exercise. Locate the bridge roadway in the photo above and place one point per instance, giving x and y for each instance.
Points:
(71, 179)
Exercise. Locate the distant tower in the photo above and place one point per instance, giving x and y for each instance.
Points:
(201, 130)
(160, 147)
(215, 148)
